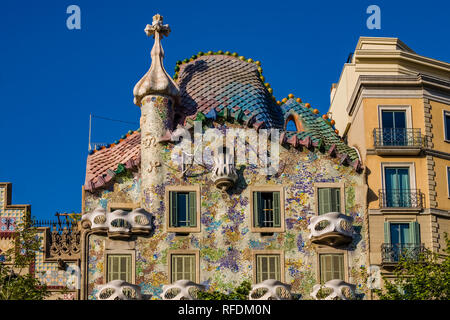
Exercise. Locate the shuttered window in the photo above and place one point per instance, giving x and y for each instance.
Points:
(268, 267)
(266, 209)
(329, 200)
(183, 267)
(183, 209)
(331, 267)
(119, 267)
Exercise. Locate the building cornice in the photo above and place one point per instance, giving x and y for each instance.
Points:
(411, 86)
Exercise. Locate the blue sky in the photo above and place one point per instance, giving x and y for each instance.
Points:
(52, 78)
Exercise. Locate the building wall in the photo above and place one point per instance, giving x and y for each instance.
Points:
(226, 243)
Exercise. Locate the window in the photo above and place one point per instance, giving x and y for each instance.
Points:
(268, 267)
(329, 200)
(183, 267)
(448, 181)
(331, 267)
(447, 125)
(183, 209)
(125, 206)
(119, 267)
(401, 239)
(291, 126)
(397, 187)
(266, 209)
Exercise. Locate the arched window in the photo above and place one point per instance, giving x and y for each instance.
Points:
(291, 126)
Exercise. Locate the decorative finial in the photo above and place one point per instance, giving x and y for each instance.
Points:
(156, 80)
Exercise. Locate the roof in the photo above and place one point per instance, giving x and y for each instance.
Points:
(103, 165)
(223, 85)
(218, 81)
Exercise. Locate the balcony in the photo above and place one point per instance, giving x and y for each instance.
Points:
(391, 253)
(393, 141)
(333, 229)
(400, 200)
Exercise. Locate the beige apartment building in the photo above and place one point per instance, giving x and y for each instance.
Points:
(393, 106)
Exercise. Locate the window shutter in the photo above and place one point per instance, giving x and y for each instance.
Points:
(276, 209)
(192, 209)
(173, 209)
(335, 200)
(324, 200)
(414, 229)
(387, 233)
(257, 206)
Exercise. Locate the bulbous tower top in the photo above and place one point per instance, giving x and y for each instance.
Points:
(156, 80)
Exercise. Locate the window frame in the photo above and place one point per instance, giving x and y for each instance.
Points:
(320, 250)
(130, 253)
(256, 253)
(405, 108)
(323, 185)
(127, 206)
(195, 253)
(448, 180)
(445, 113)
(192, 188)
(274, 188)
(412, 173)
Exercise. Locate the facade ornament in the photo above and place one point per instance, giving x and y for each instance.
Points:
(119, 290)
(156, 80)
(66, 243)
(335, 290)
(118, 222)
(333, 228)
(182, 290)
(224, 172)
(153, 165)
(270, 290)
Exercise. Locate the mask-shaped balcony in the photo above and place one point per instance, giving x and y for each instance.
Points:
(118, 223)
(224, 172)
(119, 290)
(182, 290)
(334, 290)
(333, 229)
(270, 290)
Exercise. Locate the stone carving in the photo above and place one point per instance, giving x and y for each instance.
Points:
(66, 243)
(332, 228)
(182, 290)
(270, 290)
(224, 172)
(156, 80)
(334, 290)
(119, 290)
(153, 165)
(118, 221)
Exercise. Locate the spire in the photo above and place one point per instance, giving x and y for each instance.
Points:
(156, 80)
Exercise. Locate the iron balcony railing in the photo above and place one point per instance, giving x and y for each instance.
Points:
(393, 252)
(392, 137)
(400, 198)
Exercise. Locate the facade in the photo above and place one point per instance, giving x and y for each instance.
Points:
(393, 106)
(151, 218)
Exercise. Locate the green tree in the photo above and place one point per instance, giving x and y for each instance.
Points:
(240, 293)
(16, 283)
(425, 278)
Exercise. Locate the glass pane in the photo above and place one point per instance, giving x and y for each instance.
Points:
(400, 119)
(267, 209)
(182, 209)
(387, 119)
(447, 127)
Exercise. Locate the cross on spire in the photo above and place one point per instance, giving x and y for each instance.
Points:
(157, 27)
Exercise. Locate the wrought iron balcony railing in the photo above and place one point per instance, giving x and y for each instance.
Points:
(393, 137)
(400, 198)
(393, 252)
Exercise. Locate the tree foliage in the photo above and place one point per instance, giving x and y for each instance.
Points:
(16, 283)
(239, 293)
(425, 278)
